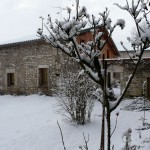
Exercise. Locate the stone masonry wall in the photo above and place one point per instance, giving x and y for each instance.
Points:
(136, 87)
(23, 59)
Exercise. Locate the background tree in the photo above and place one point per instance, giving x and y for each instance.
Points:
(62, 34)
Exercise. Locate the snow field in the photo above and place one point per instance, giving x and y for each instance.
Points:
(30, 123)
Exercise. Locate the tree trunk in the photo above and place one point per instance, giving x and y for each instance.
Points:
(102, 145)
(108, 130)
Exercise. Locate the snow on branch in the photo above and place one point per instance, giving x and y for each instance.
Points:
(121, 23)
(63, 34)
(93, 74)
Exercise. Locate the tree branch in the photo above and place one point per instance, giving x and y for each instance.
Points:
(61, 135)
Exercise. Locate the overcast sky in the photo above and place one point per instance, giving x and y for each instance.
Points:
(19, 19)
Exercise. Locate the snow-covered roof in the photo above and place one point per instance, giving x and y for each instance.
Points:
(32, 38)
(19, 39)
(19, 43)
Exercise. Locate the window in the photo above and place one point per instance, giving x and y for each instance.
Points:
(43, 77)
(10, 79)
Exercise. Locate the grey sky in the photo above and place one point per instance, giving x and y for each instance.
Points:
(20, 18)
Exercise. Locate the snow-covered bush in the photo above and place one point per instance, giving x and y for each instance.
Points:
(75, 93)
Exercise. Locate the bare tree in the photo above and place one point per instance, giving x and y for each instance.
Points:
(62, 34)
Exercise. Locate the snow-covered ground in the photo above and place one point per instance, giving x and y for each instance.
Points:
(30, 123)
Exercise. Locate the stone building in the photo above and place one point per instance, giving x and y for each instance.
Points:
(122, 67)
(142, 77)
(29, 67)
(34, 66)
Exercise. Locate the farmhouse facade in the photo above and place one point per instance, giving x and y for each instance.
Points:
(34, 66)
(29, 67)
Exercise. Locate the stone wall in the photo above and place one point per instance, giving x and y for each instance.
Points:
(125, 67)
(23, 59)
(136, 87)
